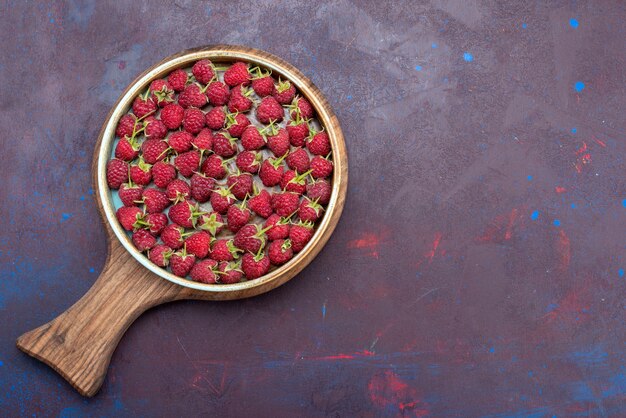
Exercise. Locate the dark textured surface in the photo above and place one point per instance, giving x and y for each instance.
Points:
(478, 269)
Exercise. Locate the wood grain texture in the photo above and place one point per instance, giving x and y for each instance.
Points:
(79, 343)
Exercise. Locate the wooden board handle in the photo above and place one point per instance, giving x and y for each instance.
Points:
(79, 343)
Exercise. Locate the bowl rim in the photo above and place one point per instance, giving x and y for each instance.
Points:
(325, 114)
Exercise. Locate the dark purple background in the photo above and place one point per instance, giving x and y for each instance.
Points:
(478, 269)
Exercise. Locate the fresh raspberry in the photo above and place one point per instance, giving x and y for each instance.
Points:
(237, 216)
(255, 266)
(204, 271)
(251, 139)
(285, 92)
(298, 160)
(277, 227)
(271, 171)
(300, 234)
(229, 273)
(155, 200)
(321, 167)
(117, 173)
(203, 71)
(141, 173)
(261, 204)
(269, 110)
(263, 86)
(185, 214)
(224, 145)
(181, 263)
(298, 130)
(126, 149)
(160, 255)
(143, 240)
(215, 167)
(239, 100)
(224, 250)
(177, 79)
(144, 105)
(130, 194)
(237, 74)
(155, 222)
(285, 203)
(203, 141)
(241, 185)
(192, 96)
(201, 187)
(236, 124)
(163, 173)
(301, 106)
(221, 199)
(248, 161)
(211, 222)
(128, 215)
(172, 236)
(218, 93)
(309, 210)
(154, 128)
(193, 120)
(320, 191)
(278, 142)
(250, 238)
(178, 190)
(172, 116)
(154, 150)
(180, 141)
(198, 244)
(215, 118)
(187, 162)
(161, 92)
(279, 252)
(126, 125)
(294, 182)
(318, 143)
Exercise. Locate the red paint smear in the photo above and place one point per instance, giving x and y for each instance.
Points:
(601, 143)
(341, 356)
(560, 189)
(563, 249)
(509, 227)
(501, 227)
(583, 157)
(436, 241)
(387, 390)
(368, 241)
(570, 307)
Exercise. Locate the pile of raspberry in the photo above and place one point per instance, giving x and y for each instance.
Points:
(222, 172)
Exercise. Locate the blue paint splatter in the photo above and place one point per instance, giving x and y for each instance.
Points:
(349, 97)
(418, 68)
(620, 272)
(534, 215)
(573, 23)
(573, 130)
(624, 203)
(1, 363)
(92, 270)
(492, 350)
(573, 205)
(551, 307)
(524, 25)
(579, 86)
(324, 310)
(468, 57)
(434, 46)
(65, 216)
(557, 222)
(51, 20)
(82, 198)
(90, 191)
(529, 178)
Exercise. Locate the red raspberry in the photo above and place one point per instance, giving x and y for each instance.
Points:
(301, 106)
(130, 194)
(181, 263)
(237, 74)
(203, 71)
(163, 173)
(298, 130)
(172, 236)
(201, 187)
(319, 144)
(285, 92)
(143, 105)
(126, 125)
(279, 227)
(117, 173)
(241, 185)
(141, 173)
(211, 222)
(187, 162)
(263, 86)
(286, 203)
(193, 120)
(221, 199)
(250, 238)
(279, 252)
(177, 79)
(218, 93)
(237, 216)
(161, 92)
(203, 141)
(224, 250)
(261, 204)
(248, 161)
(172, 116)
(128, 215)
(294, 182)
(321, 167)
(251, 139)
(224, 145)
(204, 272)
(255, 266)
(300, 234)
(154, 150)
(155, 200)
(215, 167)
(185, 214)
(178, 190)
(155, 128)
(309, 210)
(180, 141)
(278, 142)
(155, 222)
(143, 240)
(269, 110)
(216, 118)
(160, 255)
(320, 191)
(298, 160)
(240, 100)
(192, 96)
(126, 149)
(236, 124)
(198, 244)
(271, 171)
(229, 272)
